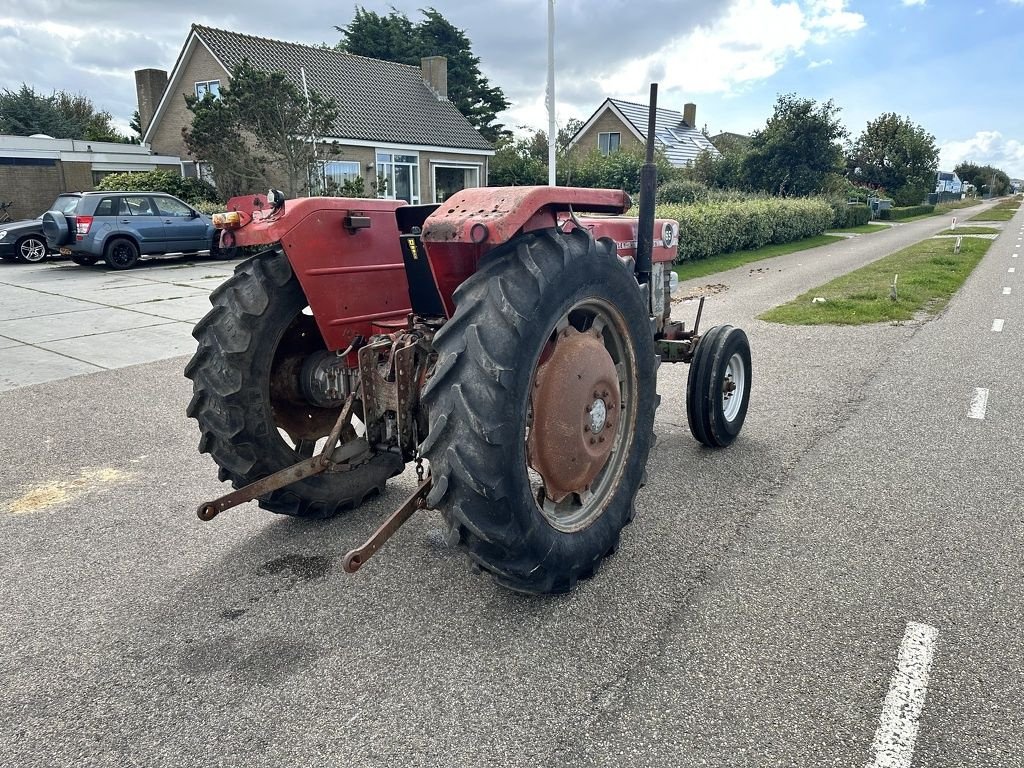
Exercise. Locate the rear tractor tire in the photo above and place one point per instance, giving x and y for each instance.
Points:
(718, 387)
(247, 399)
(541, 410)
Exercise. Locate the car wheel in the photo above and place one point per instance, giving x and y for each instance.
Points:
(31, 249)
(121, 254)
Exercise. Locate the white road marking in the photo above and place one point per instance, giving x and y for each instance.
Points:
(897, 731)
(1011, 270)
(1007, 290)
(979, 402)
(997, 325)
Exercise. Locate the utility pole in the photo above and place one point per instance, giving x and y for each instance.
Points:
(552, 130)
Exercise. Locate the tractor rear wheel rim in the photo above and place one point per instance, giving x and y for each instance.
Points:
(733, 386)
(606, 417)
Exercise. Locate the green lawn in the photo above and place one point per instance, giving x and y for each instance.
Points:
(701, 267)
(929, 273)
(863, 229)
(971, 231)
(999, 213)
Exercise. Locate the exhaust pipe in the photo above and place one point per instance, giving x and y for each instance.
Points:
(648, 190)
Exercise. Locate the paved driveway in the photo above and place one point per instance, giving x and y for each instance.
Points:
(58, 319)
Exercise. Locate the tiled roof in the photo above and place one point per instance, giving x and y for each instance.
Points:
(680, 142)
(378, 101)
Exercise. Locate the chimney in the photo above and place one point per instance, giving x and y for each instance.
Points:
(150, 85)
(435, 74)
(690, 115)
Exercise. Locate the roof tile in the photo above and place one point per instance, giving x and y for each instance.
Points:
(379, 101)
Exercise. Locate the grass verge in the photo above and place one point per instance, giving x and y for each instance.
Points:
(995, 214)
(971, 231)
(701, 267)
(929, 273)
(863, 229)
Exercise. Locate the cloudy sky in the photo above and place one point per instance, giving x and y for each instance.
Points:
(951, 66)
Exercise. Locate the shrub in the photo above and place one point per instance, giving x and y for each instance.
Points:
(205, 206)
(845, 215)
(192, 191)
(711, 228)
(906, 212)
(682, 191)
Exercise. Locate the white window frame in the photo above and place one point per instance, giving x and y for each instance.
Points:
(355, 171)
(390, 194)
(435, 164)
(204, 87)
(607, 149)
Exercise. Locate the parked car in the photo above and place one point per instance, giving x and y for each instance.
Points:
(121, 227)
(24, 241)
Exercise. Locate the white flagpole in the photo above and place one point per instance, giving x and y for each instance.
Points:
(552, 130)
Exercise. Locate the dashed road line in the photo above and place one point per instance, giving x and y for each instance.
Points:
(1007, 290)
(997, 325)
(1011, 270)
(896, 736)
(979, 403)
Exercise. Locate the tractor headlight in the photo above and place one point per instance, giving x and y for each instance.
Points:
(673, 282)
(229, 220)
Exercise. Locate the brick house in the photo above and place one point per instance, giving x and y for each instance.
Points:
(620, 124)
(35, 169)
(394, 121)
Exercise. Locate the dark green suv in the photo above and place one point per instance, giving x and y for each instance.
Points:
(120, 227)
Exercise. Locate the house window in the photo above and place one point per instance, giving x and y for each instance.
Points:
(608, 142)
(398, 177)
(449, 178)
(337, 172)
(211, 87)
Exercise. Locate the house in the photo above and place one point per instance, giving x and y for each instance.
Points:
(619, 124)
(948, 181)
(35, 169)
(394, 120)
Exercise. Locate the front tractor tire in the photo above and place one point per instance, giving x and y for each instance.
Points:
(541, 409)
(718, 387)
(246, 397)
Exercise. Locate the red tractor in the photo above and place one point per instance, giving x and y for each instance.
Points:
(508, 341)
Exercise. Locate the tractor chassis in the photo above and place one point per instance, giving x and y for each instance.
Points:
(396, 391)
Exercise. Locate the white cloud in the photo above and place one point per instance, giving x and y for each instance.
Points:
(914, 2)
(751, 41)
(822, 63)
(985, 148)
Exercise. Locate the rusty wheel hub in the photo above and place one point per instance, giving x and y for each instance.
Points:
(576, 404)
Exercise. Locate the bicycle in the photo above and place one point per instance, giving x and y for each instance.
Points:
(4, 215)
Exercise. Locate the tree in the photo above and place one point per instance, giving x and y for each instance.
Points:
(395, 38)
(898, 155)
(985, 178)
(62, 115)
(259, 118)
(798, 148)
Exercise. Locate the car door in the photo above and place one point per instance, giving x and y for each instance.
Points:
(139, 217)
(183, 230)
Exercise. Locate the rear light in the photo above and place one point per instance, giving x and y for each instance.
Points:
(82, 225)
(230, 220)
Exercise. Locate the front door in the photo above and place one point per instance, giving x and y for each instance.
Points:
(183, 230)
(138, 216)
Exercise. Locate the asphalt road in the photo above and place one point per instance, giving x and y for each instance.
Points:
(751, 617)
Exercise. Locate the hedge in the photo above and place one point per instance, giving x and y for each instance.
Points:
(906, 213)
(712, 228)
(845, 216)
(191, 191)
